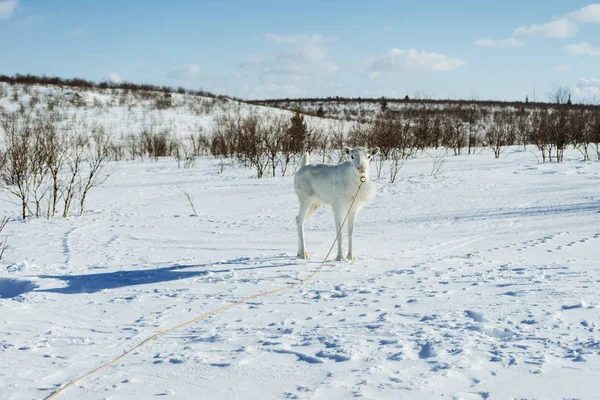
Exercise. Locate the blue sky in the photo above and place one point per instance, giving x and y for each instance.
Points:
(500, 50)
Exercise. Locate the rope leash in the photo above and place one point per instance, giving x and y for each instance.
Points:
(215, 311)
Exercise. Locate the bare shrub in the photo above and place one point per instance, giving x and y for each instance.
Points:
(200, 142)
(500, 132)
(581, 131)
(539, 133)
(274, 136)
(45, 161)
(190, 200)
(454, 135)
(559, 129)
(595, 133)
(252, 144)
(396, 141)
(55, 157)
(16, 158)
(3, 242)
(162, 102)
(99, 147)
(76, 140)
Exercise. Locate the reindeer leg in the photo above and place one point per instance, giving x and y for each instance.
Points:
(351, 218)
(304, 208)
(337, 214)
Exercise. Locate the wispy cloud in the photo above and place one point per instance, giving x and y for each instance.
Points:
(275, 90)
(7, 8)
(306, 56)
(186, 73)
(509, 42)
(587, 88)
(298, 39)
(113, 77)
(560, 28)
(565, 26)
(587, 14)
(559, 68)
(32, 20)
(77, 32)
(582, 49)
(398, 61)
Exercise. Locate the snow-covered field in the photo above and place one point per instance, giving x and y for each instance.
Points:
(478, 283)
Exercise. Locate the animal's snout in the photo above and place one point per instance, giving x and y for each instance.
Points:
(362, 169)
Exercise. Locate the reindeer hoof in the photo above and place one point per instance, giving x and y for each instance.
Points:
(339, 258)
(303, 255)
(351, 257)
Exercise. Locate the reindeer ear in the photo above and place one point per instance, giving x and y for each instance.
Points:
(347, 151)
(374, 151)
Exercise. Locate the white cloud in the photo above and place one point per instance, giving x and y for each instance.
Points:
(558, 68)
(298, 39)
(306, 56)
(564, 27)
(397, 60)
(275, 90)
(32, 20)
(510, 42)
(113, 77)
(582, 49)
(185, 73)
(587, 14)
(560, 28)
(7, 8)
(77, 32)
(587, 88)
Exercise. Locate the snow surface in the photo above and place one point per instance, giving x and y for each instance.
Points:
(478, 283)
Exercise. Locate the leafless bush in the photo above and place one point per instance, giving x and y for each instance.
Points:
(3, 242)
(163, 102)
(337, 141)
(16, 158)
(559, 129)
(581, 132)
(438, 161)
(252, 145)
(396, 141)
(190, 200)
(539, 133)
(155, 145)
(359, 135)
(98, 151)
(454, 134)
(45, 161)
(274, 137)
(595, 133)
(56, 156)
(76, 140)
(200, 142)
(500, 131)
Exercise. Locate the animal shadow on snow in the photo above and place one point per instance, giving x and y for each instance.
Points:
(91, 283)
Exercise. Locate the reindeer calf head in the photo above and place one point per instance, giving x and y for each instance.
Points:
(360, 158)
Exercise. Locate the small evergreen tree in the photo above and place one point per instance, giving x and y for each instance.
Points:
(297, 132)
(383, 104)
(320, 112)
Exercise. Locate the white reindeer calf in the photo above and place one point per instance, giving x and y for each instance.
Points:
(335, 186)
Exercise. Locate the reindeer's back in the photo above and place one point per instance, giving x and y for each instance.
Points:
(332, 184)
